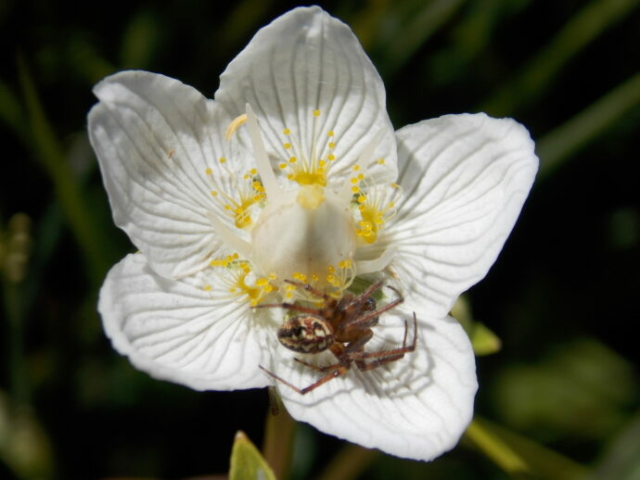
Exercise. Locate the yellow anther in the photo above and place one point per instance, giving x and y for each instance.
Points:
(362, 198)
(253, 171)
(208, 171)
(286, 131)
(282, 166)
(361, 176)
(354, 180)
(316, 113)
(222, 160)
(355, 189)
(330, 134)
(331, 156)
(233, 126)
(293, 160)
(287, 145)
(332, 145)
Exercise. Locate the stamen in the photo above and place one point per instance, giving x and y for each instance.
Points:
(376, 265)
(366, 154)
(230, 239)
(267, 174)
(234, 125)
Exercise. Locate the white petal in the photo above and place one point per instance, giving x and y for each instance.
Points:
(154, 139)
(303, 61)
(416, 407)
(177, 331)
(465, 179)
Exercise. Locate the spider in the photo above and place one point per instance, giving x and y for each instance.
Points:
(342, 326)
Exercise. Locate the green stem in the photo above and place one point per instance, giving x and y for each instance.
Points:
(349, 463)
(278, 439)
(577, 33)
(561, 143)
(496, 449)
(521, 457)
(69, 195)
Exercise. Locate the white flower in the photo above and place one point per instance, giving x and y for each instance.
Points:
(293, 171)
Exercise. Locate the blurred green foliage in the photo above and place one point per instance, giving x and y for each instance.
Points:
(561, 299)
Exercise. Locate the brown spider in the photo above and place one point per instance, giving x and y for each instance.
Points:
(342, 326)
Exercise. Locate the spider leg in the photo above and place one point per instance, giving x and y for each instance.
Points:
(310, 289)
(363, 319)
(324, 368)
(334, 374)
(289, 306)
(386, 356)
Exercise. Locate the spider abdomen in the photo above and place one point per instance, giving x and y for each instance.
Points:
(306, 334)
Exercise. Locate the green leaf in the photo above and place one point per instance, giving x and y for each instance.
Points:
(246, 461)
(483, 340)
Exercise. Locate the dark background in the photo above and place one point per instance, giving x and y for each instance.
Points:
(562, 297)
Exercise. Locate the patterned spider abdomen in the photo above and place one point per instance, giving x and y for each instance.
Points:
(306, 334)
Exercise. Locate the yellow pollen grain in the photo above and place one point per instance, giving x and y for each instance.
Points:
(355, 168)
(287, 145)
(286, 131)
(362, 198)
(222, 160)
(253, 171)
(316, 113)
(330, 134)
(282, 166)
(261, 282)
(315, 277)
(272, 276)
(380, 161)
(208, 171)
(331, 156)
(361, 176)
(322, 163)
(355, 189)
(332, 145)
(395, 185)
(214, 193)
(293, 160)
(354, 180)
(207, 288)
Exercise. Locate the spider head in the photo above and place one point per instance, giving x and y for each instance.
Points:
(306, 334)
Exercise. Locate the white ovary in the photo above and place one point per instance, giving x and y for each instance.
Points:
(304, 233)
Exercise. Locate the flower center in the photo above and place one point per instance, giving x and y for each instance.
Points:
(307, 234)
